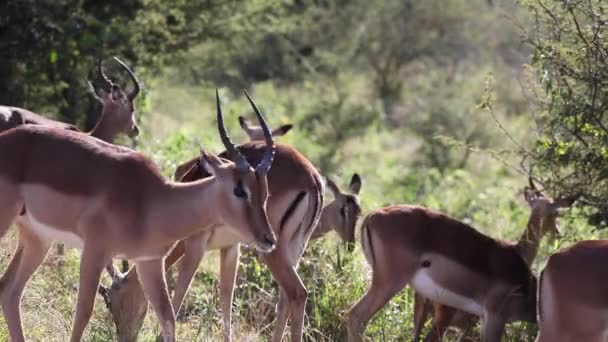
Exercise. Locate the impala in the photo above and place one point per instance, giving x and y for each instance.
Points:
(117, 113)
(256, 133)
(294, 208)
(542, 221)
(446, 261)
(113, 202)
(572, 297)
(342, 213)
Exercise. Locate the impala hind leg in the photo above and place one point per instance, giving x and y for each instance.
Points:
(152, 278)
(29, 255)
(228, 268)
(382, 290)
(10, 206)
(294, 303)
(92, 263)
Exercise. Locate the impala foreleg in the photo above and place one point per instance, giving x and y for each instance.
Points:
(194, 250)
(92, 263)
(492, 328)
(152, 278)
(229, 263)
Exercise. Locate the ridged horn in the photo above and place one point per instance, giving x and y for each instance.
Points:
(264, 165)
(136, 83)
(103, 76)
(241, 162)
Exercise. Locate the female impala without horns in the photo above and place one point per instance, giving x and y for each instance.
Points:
(542, 221)
(446, 261)
(113, 202)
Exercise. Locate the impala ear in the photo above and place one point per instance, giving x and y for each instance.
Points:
(244, 123)
(210, 163)
(282, 130)
(355, 184)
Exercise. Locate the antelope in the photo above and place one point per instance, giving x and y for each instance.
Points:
(113, 202)
(255, 132)
(446, 261)
(342, 213)
(542, 221)
(572, 298)
(294, 209)
(117, 114)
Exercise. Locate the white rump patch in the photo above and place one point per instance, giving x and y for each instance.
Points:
(425, 285)
(48, 233)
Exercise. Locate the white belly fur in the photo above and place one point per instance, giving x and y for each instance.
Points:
(48, 233)
(425, 285)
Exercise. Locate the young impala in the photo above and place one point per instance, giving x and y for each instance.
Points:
(572, 297)
(294, 208)
(542, 221)
(113, 202)
(446, 261)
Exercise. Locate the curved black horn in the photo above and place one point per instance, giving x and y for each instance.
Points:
(266, 162)
(103, 75)
(136, 83)
(241, 162)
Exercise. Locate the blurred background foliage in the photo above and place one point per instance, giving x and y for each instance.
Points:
(433, 102)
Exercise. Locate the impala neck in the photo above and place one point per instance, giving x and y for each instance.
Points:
(528, 243)
(325, 224)
(104, 129)
(182, 209)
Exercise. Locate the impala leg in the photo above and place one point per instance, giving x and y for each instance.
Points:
(381, 291)
(194, 251)
(92, 264)
(152, 278)
(420, 315)
(442, 318)
(282, 316)
(295, 296)
(28, 257)
(492, 328)
(228, 268)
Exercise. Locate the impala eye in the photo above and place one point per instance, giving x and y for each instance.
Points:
(239, 191)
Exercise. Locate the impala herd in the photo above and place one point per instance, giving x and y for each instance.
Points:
(60, 184)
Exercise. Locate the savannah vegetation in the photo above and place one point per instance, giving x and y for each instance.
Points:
(446, 104)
